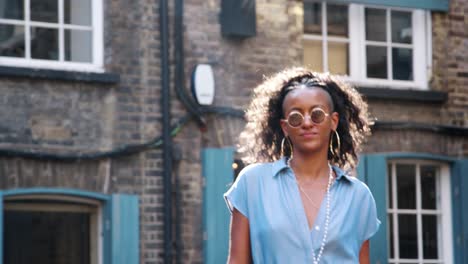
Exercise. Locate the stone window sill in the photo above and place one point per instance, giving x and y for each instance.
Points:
(435, 97)
(72, 76)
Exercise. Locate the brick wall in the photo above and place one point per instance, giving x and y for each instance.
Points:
(71, 116)
(450, 64)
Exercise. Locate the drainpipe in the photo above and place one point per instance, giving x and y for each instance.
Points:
(179, 80)
(166, 126)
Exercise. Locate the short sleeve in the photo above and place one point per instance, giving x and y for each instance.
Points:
(236, 196)
(369, 223)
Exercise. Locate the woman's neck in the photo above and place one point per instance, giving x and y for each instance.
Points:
(310, 167)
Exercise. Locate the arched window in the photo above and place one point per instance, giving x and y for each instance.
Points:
(49, 226)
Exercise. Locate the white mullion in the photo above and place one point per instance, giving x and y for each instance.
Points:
(97, 33)
(61, 32)
(43, 24)
(414, 211)
(338, 39)
(419, 214)
(27, 29)
(428, 38)
(396, 246)
(325, 37)
(77, 27)
(311, 37)
(402, 45)
(7, 21)
(356, 35)
(389, 45)
(419, 43)
(376, 43)
(445, 239)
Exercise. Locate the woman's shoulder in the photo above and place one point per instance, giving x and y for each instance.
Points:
(356, 184)
(256, 170)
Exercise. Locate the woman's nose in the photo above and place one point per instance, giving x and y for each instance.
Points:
(308, 121)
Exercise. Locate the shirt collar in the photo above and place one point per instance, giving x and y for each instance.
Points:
(281, 165)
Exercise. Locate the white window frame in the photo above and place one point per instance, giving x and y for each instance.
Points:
(93, 207)
(444, 228)
(421, 47)
(97, 41)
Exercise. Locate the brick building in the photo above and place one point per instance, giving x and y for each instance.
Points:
(89, 88)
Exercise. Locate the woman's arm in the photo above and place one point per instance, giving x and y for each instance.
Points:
(364, 253)
(239, 246)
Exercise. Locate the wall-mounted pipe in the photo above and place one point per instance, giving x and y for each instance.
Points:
(166, 126)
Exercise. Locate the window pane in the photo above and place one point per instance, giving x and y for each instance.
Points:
(337, 16)
(44, 10)
(428, 187)
(11, 41)
(407, 236)
(313, 18)
(402, 64)
(401, 27)
(390, 234)
(78, 12)
(338, 58)
(406, 186)
(44, 43)
(46, 237)
(78, 45)
(430, 236)
(12, 9)
(376, 58)
(313, 55)
(375, 24)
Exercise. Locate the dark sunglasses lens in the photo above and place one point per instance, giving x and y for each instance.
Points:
(317, 116)
(295, 119)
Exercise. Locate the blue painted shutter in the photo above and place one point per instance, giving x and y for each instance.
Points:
(361, 169)
(1, 227)
(459, 173)
(375, 167)
(218, 175)
(436, 5)
(124, 229)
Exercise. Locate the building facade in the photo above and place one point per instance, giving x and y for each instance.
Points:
(103, 143)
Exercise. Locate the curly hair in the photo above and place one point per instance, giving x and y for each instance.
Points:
(261, 139)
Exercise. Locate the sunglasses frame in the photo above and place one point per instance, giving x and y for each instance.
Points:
(304, 117)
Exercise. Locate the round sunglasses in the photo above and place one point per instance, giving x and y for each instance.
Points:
(296, 119)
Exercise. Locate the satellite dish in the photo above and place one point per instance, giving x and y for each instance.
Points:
(203, 85)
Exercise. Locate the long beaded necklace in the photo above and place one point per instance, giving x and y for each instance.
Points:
(327, 215)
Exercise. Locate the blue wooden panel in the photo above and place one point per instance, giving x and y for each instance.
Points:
(361, 169)
(1, 228)
(376, 175)
(218, 175)
(124, 229)
(437, 5)
(459, 171)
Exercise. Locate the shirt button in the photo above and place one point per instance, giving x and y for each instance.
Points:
(317, 228)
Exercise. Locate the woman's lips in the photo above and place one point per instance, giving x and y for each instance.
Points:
(309, 134)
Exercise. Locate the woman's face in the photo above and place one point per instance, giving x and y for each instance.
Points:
(309, 137)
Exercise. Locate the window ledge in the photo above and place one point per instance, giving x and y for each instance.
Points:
(435, 97)
(73, 76)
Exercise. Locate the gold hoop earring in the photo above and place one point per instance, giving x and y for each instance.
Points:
(290, 147)
(338, 143)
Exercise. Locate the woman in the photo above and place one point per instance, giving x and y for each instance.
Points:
(296, 204)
